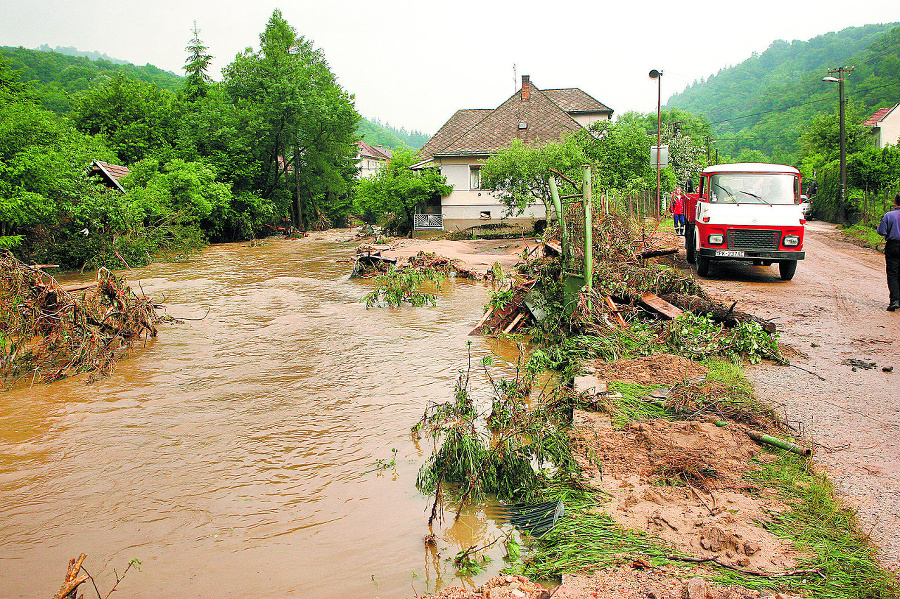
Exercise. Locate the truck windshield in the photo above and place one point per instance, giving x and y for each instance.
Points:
(753, 188)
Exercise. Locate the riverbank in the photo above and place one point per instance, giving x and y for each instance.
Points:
(662, 522)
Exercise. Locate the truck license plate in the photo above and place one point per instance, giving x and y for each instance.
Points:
(730, 253)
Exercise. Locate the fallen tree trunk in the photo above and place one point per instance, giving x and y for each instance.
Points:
(716, 311)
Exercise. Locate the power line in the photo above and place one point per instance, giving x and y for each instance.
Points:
(811, 102)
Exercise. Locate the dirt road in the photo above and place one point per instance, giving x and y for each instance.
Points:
(834, 311)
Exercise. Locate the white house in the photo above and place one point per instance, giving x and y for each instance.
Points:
(885, 126)
(458, 149)
(370, 159)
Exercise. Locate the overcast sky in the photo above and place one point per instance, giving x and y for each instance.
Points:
(413, 63)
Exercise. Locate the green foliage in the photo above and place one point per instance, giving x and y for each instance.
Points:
(396, 190)
(401, 285)
(58, 75)
(518, 175)
(818, 524)
(301, 122)
(376, 133)
(699, 337)
(479, 454)
(196, 84)
(765, 102)
(136, 118)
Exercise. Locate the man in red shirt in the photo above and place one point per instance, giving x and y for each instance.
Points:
(677, 209)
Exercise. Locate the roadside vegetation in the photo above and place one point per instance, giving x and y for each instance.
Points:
(541, 439)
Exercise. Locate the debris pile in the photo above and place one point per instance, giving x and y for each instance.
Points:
(48, 332)
(370, 263)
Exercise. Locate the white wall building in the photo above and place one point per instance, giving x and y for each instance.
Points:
(471, 136)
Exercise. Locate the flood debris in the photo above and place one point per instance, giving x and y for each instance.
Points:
(48, 331)
(74, 578)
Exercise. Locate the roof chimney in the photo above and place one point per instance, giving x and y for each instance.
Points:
(526, 87)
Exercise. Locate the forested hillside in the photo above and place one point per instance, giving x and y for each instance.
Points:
(56, 77)
(760, 107)
(375, 133)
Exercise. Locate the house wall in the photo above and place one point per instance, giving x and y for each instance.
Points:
(890, 128)
(586, 120)
(466, 207)
(368, 167)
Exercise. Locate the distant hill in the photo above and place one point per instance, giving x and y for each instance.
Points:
(60, 72)
(56, 75)
(72, 51)
(763, 103)
(375, 133)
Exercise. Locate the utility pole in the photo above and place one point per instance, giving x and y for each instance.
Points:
(657, 74)
(841, 102)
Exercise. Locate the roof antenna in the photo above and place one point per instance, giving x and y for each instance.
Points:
(515, 79)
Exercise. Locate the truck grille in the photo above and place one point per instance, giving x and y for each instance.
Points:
(754, 239)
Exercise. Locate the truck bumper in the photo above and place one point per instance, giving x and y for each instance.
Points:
(749, 254)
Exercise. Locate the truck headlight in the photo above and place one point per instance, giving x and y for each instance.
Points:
(716, 239)
(791, 241)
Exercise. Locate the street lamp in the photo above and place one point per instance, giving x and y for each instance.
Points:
(655, 74)
(840, 82)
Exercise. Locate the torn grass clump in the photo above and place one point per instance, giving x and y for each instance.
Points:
(512, 451)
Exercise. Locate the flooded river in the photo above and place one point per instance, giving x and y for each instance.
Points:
(259, 450)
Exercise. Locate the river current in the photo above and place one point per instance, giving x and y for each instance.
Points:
(259, 449)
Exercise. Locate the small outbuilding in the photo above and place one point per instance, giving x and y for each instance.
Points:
(884, 126)
(108, 174)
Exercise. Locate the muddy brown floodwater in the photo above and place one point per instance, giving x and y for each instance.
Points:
(834, 311)
(249, 453)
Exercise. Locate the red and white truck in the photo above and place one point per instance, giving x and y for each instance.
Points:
(745, 211)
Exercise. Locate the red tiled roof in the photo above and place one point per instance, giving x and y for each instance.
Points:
(459, 123)
(878, 116)
(371, 152)
(542, 117)
(111, 172)
(572, 99)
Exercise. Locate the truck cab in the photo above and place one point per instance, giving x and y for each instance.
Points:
(746, 211)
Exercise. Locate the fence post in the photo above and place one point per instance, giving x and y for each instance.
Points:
(560, 215)
(588, 230)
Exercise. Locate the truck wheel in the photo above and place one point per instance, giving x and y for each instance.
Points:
(702, 265)
(787, 268)
(689, 242)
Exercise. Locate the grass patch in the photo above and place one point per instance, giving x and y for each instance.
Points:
(864, 235)
(818, 524)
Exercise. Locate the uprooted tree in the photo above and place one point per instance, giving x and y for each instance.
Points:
(49, 332)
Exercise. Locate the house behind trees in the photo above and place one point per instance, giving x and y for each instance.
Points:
(471, 136)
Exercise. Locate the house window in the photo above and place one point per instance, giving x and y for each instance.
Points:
(485, 215)
(474, 177)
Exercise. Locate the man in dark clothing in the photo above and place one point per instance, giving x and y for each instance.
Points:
(890, 229)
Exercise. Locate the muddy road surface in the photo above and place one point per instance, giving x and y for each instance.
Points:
(832, 318)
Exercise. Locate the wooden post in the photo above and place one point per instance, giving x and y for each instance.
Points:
(588, 230)
(557, 204)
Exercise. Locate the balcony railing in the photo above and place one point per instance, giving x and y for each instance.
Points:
(428, 222)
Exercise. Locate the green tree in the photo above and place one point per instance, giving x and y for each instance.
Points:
(136, 118)
(43, 160)
(518, 175)
(396, 190)
(303, 122)
(196, 83)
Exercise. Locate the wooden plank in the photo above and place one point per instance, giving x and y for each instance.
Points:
(554, 248)
(615, 311)
(515, 321)
(660, 305)
(72, 288)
